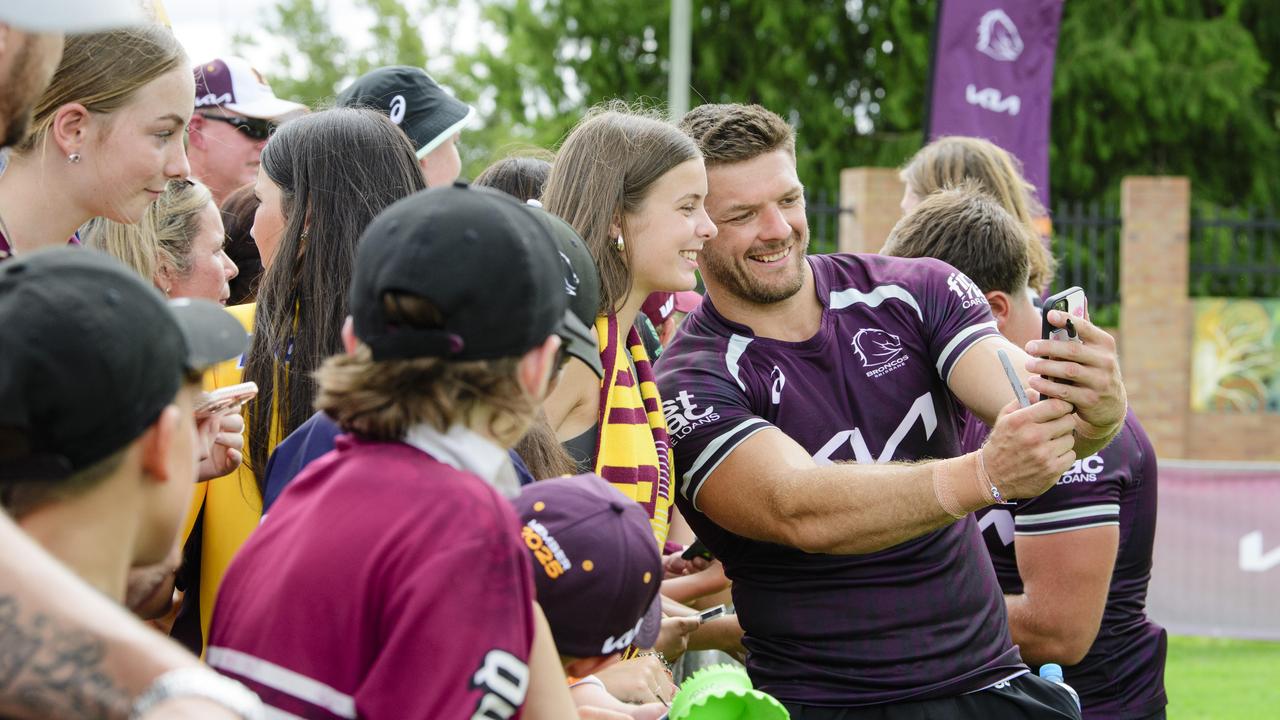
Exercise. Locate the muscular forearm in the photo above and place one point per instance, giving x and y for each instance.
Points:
(853, 509)
(1042, 637)
(67, 651)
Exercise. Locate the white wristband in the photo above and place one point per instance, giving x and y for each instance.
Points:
(200, 682)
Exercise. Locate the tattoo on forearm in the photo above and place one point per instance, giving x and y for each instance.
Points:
(50, 670)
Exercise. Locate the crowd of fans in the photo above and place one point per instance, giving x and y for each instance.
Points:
(377, 443)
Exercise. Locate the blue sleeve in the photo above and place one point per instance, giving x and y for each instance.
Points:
(522, 471)
(313, 438)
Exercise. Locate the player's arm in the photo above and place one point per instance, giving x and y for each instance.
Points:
(1096, 392)
(768, 487)
(1065, 578)
(72, 652)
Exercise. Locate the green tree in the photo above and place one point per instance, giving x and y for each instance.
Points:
(314, 59)
(1152, 86)
(1166, 87)
(850, 76)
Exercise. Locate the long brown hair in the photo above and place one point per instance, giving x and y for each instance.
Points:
(103, 71)
(336, 170)
(603, 171)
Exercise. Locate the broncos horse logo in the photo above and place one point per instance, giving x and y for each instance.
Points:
(876, 347)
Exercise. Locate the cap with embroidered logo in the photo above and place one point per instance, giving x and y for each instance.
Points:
(426, 112)
(660, 305)
(478, 256)
(92, 355)
(581, 285)
(231, 83)
(596, 565)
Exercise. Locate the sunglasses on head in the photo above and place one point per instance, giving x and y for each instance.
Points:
(253, 127)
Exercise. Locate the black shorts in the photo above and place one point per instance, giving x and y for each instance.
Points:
(1026, 697)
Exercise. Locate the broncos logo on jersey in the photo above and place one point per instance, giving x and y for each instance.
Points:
(876, 347)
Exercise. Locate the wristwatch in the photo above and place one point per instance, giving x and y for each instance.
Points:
(200, 682)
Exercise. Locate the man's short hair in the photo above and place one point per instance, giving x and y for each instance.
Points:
(972, 232)
(733, 133)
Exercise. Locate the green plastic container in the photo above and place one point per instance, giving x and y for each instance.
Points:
(724, 692)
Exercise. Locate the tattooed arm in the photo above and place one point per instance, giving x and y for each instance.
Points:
(66, 651)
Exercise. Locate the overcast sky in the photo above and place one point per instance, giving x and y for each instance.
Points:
(205, 27)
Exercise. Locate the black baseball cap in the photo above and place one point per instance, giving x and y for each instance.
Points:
(478, 256)
(581, 286)
(92, 355)
(427, 113)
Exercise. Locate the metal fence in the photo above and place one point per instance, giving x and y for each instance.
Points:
(1235, 253)
(1086, 242)
(824, 212)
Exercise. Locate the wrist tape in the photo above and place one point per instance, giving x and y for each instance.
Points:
(962, 484)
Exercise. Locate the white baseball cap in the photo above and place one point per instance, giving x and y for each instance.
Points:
(71, 15)
(231, 83)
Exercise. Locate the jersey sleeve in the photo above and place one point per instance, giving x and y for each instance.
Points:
(1087, 495)
(955, 313)
(457, 631)
(708, 416)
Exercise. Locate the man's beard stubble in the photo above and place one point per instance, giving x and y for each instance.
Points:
(739, 282)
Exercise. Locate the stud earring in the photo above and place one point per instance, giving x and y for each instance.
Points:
(73, 158)
(619, 244)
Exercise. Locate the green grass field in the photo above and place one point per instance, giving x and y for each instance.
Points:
(1220, 679)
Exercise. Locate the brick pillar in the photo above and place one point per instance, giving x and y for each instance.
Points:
(873, 194)
(1155, 310)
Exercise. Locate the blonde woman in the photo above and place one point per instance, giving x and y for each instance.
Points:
(949, 161)
(106, 138)
(178, 245)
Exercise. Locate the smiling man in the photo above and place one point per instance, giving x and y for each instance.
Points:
(236, 111)
(862, 587)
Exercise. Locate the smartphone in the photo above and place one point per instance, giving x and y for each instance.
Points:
(710, 613)
(1070, 301)
(697, 549)
(226, 398)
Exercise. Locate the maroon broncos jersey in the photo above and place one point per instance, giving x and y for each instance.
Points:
(383, 584)
(919, 620)
(1122, 676)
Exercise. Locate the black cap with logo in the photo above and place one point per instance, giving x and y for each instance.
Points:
(427, 113)
(581, 285)
(91, 356)
(478, 256)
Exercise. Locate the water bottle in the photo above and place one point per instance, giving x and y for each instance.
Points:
(1053, 673)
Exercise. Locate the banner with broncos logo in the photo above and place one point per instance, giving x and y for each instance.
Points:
(992, 77)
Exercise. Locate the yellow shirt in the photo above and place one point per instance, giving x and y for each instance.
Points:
(231, 504)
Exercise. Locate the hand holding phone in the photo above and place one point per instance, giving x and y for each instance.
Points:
(1071, 301)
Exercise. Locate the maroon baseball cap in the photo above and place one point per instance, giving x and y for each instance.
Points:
(231, 83)
(659, 306)
(595, 563)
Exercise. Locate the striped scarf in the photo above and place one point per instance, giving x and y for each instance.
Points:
(632, 450)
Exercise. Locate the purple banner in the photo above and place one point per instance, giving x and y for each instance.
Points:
(1217, 552)
(993, 77)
